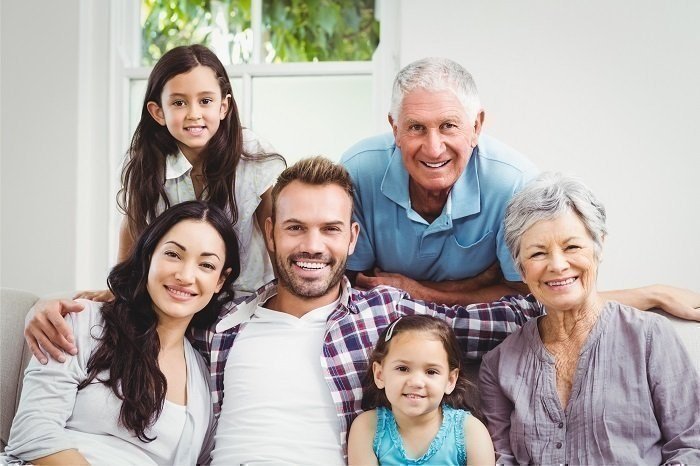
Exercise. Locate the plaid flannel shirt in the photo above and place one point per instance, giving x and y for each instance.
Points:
(352, 330)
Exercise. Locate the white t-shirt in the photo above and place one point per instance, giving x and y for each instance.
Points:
(277, 406)
(253, 178)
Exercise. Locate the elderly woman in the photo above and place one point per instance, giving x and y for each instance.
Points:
(592, 381)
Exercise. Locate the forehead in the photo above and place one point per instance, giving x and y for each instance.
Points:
(417, 346)
(560, 228)
(313, 203)
(421, 104)
(195, 235)
(198, 79)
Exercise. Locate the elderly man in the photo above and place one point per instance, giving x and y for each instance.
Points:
(287, 363)
(430, 198)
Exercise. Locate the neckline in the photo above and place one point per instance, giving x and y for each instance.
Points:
(435, 444)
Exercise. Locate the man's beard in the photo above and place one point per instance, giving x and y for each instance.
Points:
(308, 288)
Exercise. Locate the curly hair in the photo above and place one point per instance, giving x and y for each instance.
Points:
(126, 357)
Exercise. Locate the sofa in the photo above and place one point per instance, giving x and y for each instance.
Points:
(14, 356)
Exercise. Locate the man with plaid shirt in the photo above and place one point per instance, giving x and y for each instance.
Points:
(311, 332)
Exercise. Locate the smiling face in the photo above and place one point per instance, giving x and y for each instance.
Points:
(186, 270)
(310, 240)
(559, 262)
(415, 374)
(436, 139)
(192, 109)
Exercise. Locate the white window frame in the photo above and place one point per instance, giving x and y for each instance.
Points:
(125, 68)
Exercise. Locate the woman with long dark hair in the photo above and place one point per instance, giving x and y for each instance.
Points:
(136, 392)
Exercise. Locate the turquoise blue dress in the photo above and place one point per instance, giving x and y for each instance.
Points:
(447, 448)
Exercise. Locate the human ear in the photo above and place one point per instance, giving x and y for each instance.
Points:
(378, 376)
(451, 381)
(225, 104)
(268, 234)
(478, 124)
(354, 234)
(222, 278)
(156, 112)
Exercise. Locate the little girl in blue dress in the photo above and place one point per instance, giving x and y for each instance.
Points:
(417, 399)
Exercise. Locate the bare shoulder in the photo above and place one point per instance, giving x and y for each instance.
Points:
(478, 442)
(361, 439)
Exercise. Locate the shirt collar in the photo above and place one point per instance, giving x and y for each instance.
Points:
(466, 190)
(243, 310)
(176, 165)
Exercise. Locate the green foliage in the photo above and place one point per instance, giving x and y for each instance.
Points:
(293, 30)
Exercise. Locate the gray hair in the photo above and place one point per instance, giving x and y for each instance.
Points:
(436, 74)
(547, 197)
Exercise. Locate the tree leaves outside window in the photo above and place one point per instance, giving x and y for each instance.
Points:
(292, 30)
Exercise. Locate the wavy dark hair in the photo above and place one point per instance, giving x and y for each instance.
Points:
(374, 396)
(127, 353)
(143, 175)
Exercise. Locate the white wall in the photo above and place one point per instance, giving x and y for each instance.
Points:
(53, 219)
(606, 90)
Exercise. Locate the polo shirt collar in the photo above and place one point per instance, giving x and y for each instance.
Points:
(176, 165)
(466, 189)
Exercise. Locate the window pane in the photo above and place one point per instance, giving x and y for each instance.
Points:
(319, 30)
(223, 26)
(292, 30)
(305, 116)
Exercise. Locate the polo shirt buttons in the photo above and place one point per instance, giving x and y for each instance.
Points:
(558, 445)
(561, 424)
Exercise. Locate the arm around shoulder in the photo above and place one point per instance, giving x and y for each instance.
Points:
(361, 440)
(477, 442)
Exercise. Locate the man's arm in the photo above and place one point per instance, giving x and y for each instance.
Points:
(680, 302)
(46, 328)
(483, 288)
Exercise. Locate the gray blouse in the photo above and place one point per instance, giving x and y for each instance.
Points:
(635, 397)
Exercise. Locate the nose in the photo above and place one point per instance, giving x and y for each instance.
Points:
(558, 261)
(185, 273)
(434, 146)
(194, 112)
(312, 242)
(416, 379)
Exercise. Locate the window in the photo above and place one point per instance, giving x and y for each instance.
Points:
(308, 76)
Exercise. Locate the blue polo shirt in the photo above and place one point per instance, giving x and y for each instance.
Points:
(462, 242)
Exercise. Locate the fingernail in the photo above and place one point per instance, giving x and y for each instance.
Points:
(73, 351)
(61, 358)
(43, 360)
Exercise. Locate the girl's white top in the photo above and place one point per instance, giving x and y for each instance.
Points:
(54, 416)
(253, 178)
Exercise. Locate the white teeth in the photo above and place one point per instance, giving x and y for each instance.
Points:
(195, 130)
(413, 396)
(568, 281)
(436, 165)
(180, 293)
(311, 265)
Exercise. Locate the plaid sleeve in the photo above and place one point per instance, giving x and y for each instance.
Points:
(479, 327)
(201, 341)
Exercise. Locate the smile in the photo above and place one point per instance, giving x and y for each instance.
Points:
(436, 164)
(179, 292)
(413, 396)
(195, 130)
(311, 265)
(566, 282)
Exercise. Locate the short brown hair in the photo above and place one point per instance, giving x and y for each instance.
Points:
(316, 171)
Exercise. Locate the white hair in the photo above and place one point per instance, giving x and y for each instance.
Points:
(436, 74)
(547, 197)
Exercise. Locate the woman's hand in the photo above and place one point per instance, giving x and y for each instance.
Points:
(46, 328)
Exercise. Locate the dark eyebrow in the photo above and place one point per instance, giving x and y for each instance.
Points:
(203, 93)
(205, 254)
